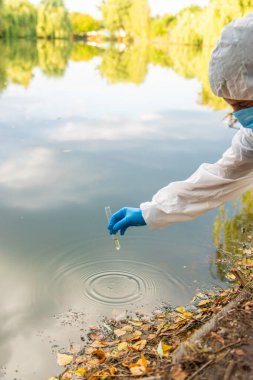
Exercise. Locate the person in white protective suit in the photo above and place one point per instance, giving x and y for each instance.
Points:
(231, 77)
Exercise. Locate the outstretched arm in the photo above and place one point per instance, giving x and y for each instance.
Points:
(209, 187)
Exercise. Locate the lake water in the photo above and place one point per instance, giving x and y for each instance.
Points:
(76, 138)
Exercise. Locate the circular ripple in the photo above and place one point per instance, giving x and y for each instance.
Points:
(77, 280)
(114, 287)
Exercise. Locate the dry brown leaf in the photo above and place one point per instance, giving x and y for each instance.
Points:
(97, 344)
(178, 374)
(100, 355)
(64, 359)
(66, 375)
(239, 352)
(216, 336)
(91, 363)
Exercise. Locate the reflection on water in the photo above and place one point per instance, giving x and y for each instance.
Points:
(72, 145)
(118, 63)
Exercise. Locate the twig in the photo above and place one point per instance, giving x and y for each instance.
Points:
(200, 369)
(229, 371)
(228, 345)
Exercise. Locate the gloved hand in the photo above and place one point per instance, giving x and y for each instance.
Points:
(124, 218)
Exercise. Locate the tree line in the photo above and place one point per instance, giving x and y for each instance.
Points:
(20, 18)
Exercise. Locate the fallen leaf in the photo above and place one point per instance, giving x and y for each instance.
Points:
(122, 346)
(64, 359)
(203, 302)
(151, 336)
(81, 371)
(97, 344)
(239, 352)
(119, 332)
(93, 363)
(217, 337)
(178, 374)
(66, 376)
(100, 355)
(136, 323)
(138, 370)
(128, 328)
(136, 335)
(113, 370)
(160, 350)
(138, 346)
(180, 309)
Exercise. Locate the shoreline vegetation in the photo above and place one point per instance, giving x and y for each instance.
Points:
(147, 346)
(127, 38)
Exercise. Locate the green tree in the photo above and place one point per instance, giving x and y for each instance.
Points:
(132, 16)
(160, 25)
(82, 23)
(19, 19)
(53, 20)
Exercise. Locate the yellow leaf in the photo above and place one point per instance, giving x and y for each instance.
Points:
(138, 370)
(122, 346)
(136, 323)
(187, 315)
(166, 347)
(200, 295)
(136, 335)
(112, 370)
(64, 359)
(128, 328)
(143, 360)
(119, 332)
(203, 302)
(138, 346)
(230, 276)
(80, 371)
(180, 309)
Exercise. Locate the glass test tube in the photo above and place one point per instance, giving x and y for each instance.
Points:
(114, 237)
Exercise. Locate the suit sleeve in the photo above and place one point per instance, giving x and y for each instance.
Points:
(209, 187)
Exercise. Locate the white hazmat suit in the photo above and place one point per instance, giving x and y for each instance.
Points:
(231, 77)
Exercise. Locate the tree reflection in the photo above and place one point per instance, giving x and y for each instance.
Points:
(128, 65)
(120, 63)
(233, 235)
(82, 52)
(53, 56)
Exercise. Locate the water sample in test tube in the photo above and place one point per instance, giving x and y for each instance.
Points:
(114, 237)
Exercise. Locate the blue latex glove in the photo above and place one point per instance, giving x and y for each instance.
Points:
(124, 218)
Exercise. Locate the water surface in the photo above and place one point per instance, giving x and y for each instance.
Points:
(73, 140)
